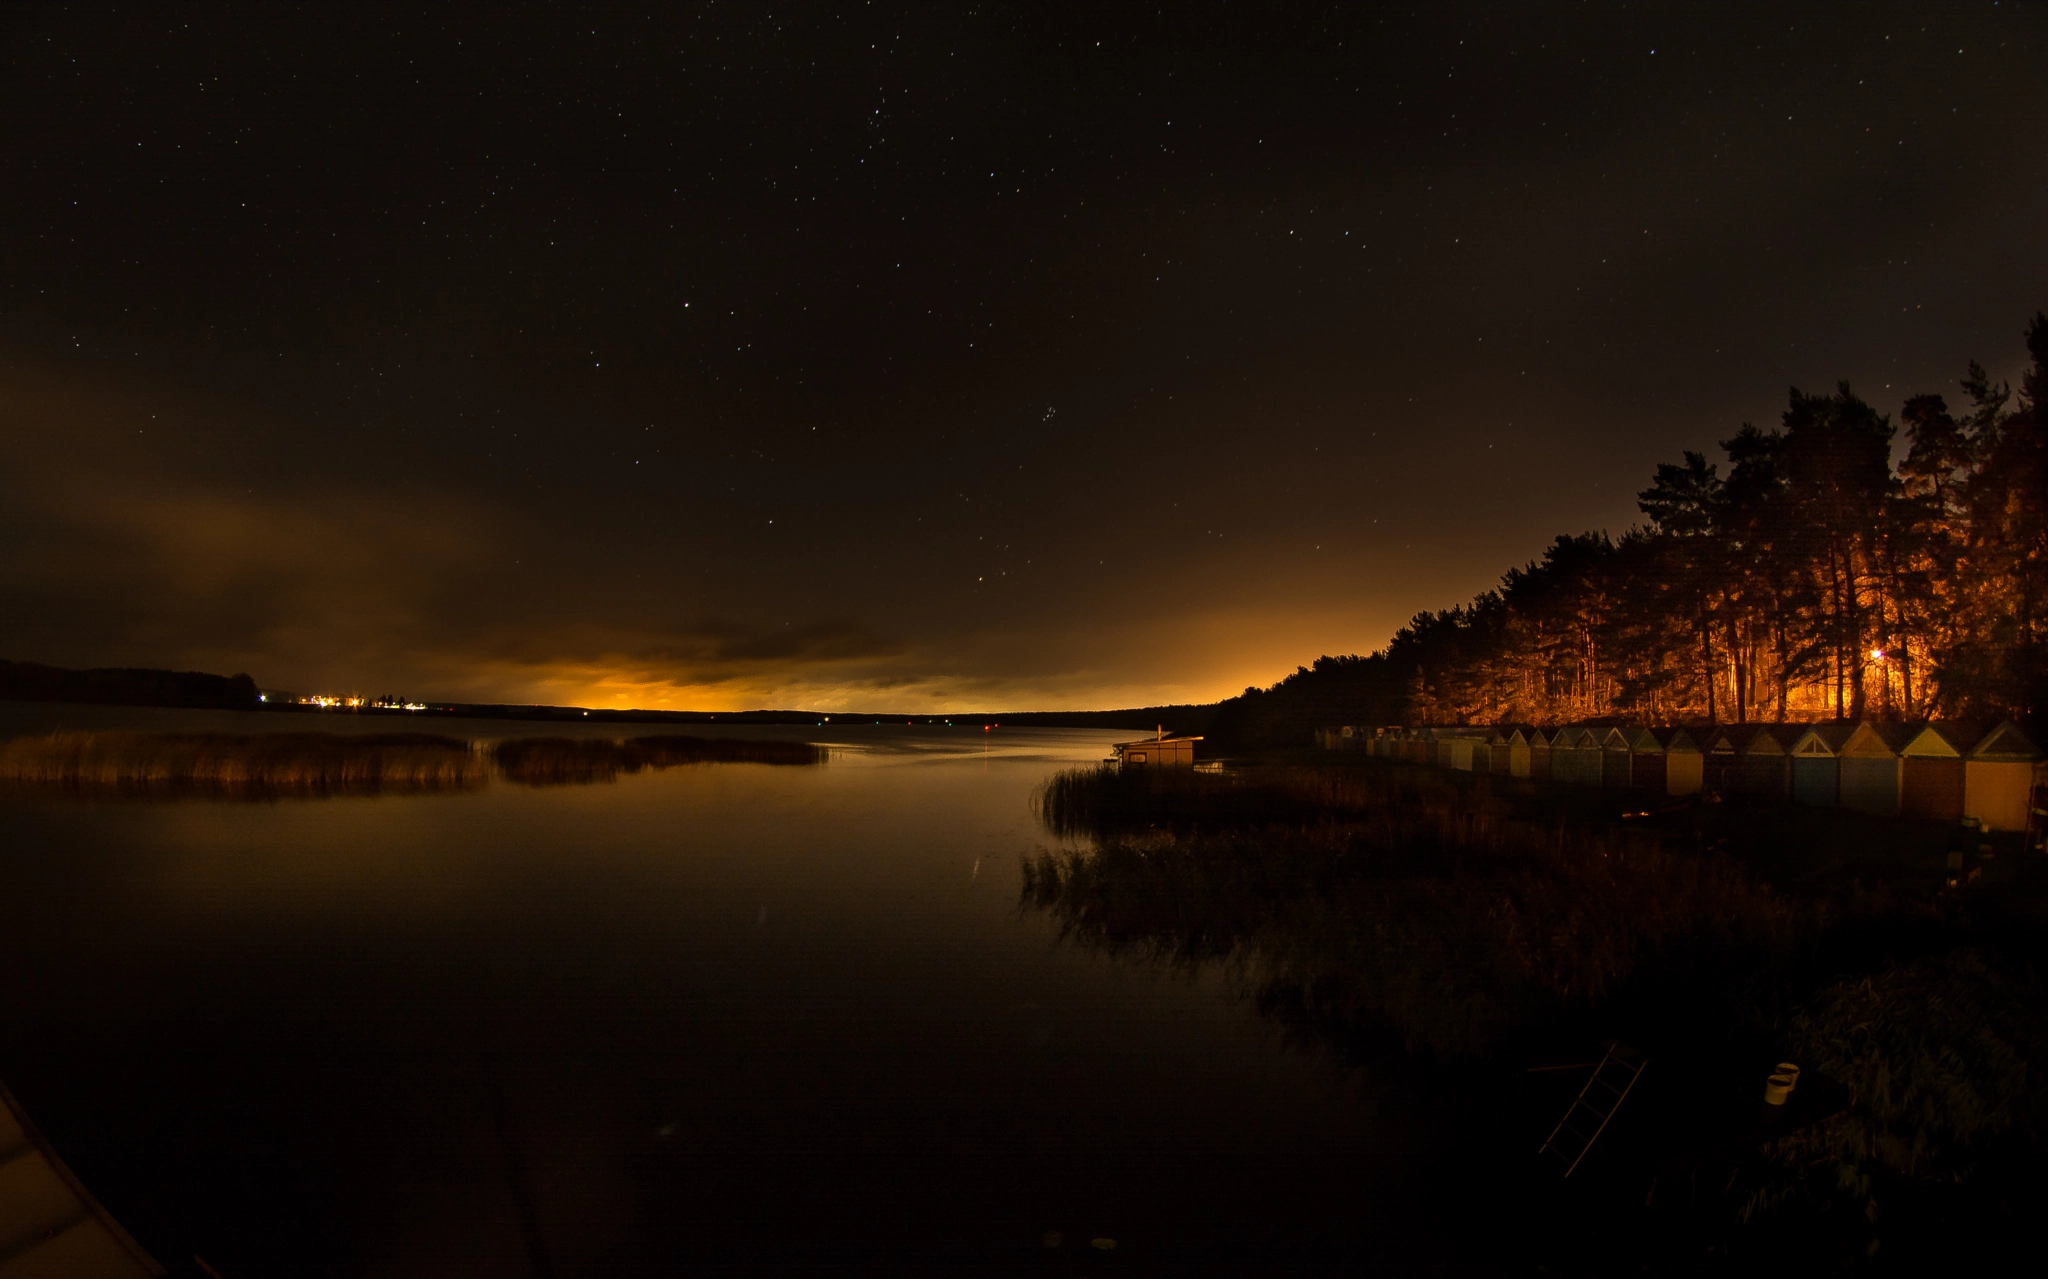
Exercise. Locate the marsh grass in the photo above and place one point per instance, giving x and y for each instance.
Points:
(567, 761)
(1381, 912)
(255, 764)
(1356, 904)
(1348, 929)
(280, 764)
(1109, 801)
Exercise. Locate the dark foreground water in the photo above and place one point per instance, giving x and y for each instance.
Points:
(710, 1019)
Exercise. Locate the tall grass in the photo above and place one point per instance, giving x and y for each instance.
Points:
(1110, 801)
(1355, 904)
(1946, 1113)
(563, 761)
(334, 763)
(262, 763)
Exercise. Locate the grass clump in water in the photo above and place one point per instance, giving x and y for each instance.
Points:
(260, 763)
(1448, 926)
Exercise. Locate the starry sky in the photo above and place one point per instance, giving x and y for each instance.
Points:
(963, 356)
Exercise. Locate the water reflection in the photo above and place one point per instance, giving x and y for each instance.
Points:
(274, 765)
(560, 761)
(707, 1020)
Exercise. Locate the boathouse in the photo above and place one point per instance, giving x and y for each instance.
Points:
(1156, 752)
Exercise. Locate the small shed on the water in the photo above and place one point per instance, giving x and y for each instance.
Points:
(1156, 752)
(1817, 764)
(1539, 753)
(1498, 752)
(1931, 771)
(1615, 766)
(1998, 778)
(1871, 767)
(1767, 760)
(1684, 764)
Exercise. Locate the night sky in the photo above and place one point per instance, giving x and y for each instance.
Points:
(721, 356)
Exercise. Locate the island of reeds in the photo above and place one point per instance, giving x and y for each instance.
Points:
(311, 764)
(253, 764)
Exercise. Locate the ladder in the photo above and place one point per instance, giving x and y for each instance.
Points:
(1587, 1116)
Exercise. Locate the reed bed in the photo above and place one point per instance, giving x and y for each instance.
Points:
(1358, 906)
(568, 761)
(342, 763)
(260, 763)
(1108, 801)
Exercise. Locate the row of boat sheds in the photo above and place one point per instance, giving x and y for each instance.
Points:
(1946, 771)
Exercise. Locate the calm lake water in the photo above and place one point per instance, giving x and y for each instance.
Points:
(708, 1019)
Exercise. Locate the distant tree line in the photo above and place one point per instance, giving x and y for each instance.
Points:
(34, 682)
(1813, 580)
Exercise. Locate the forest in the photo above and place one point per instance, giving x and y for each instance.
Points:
(1815, 579)
(126, 686)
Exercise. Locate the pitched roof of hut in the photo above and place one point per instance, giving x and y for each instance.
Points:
(1676, 740)
(1645, 741)
(1462, 732)
(2006, 742)
(1161, 740)
(1771, 739)
(1942, 739)
(1824, 739)
(1878, 739)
